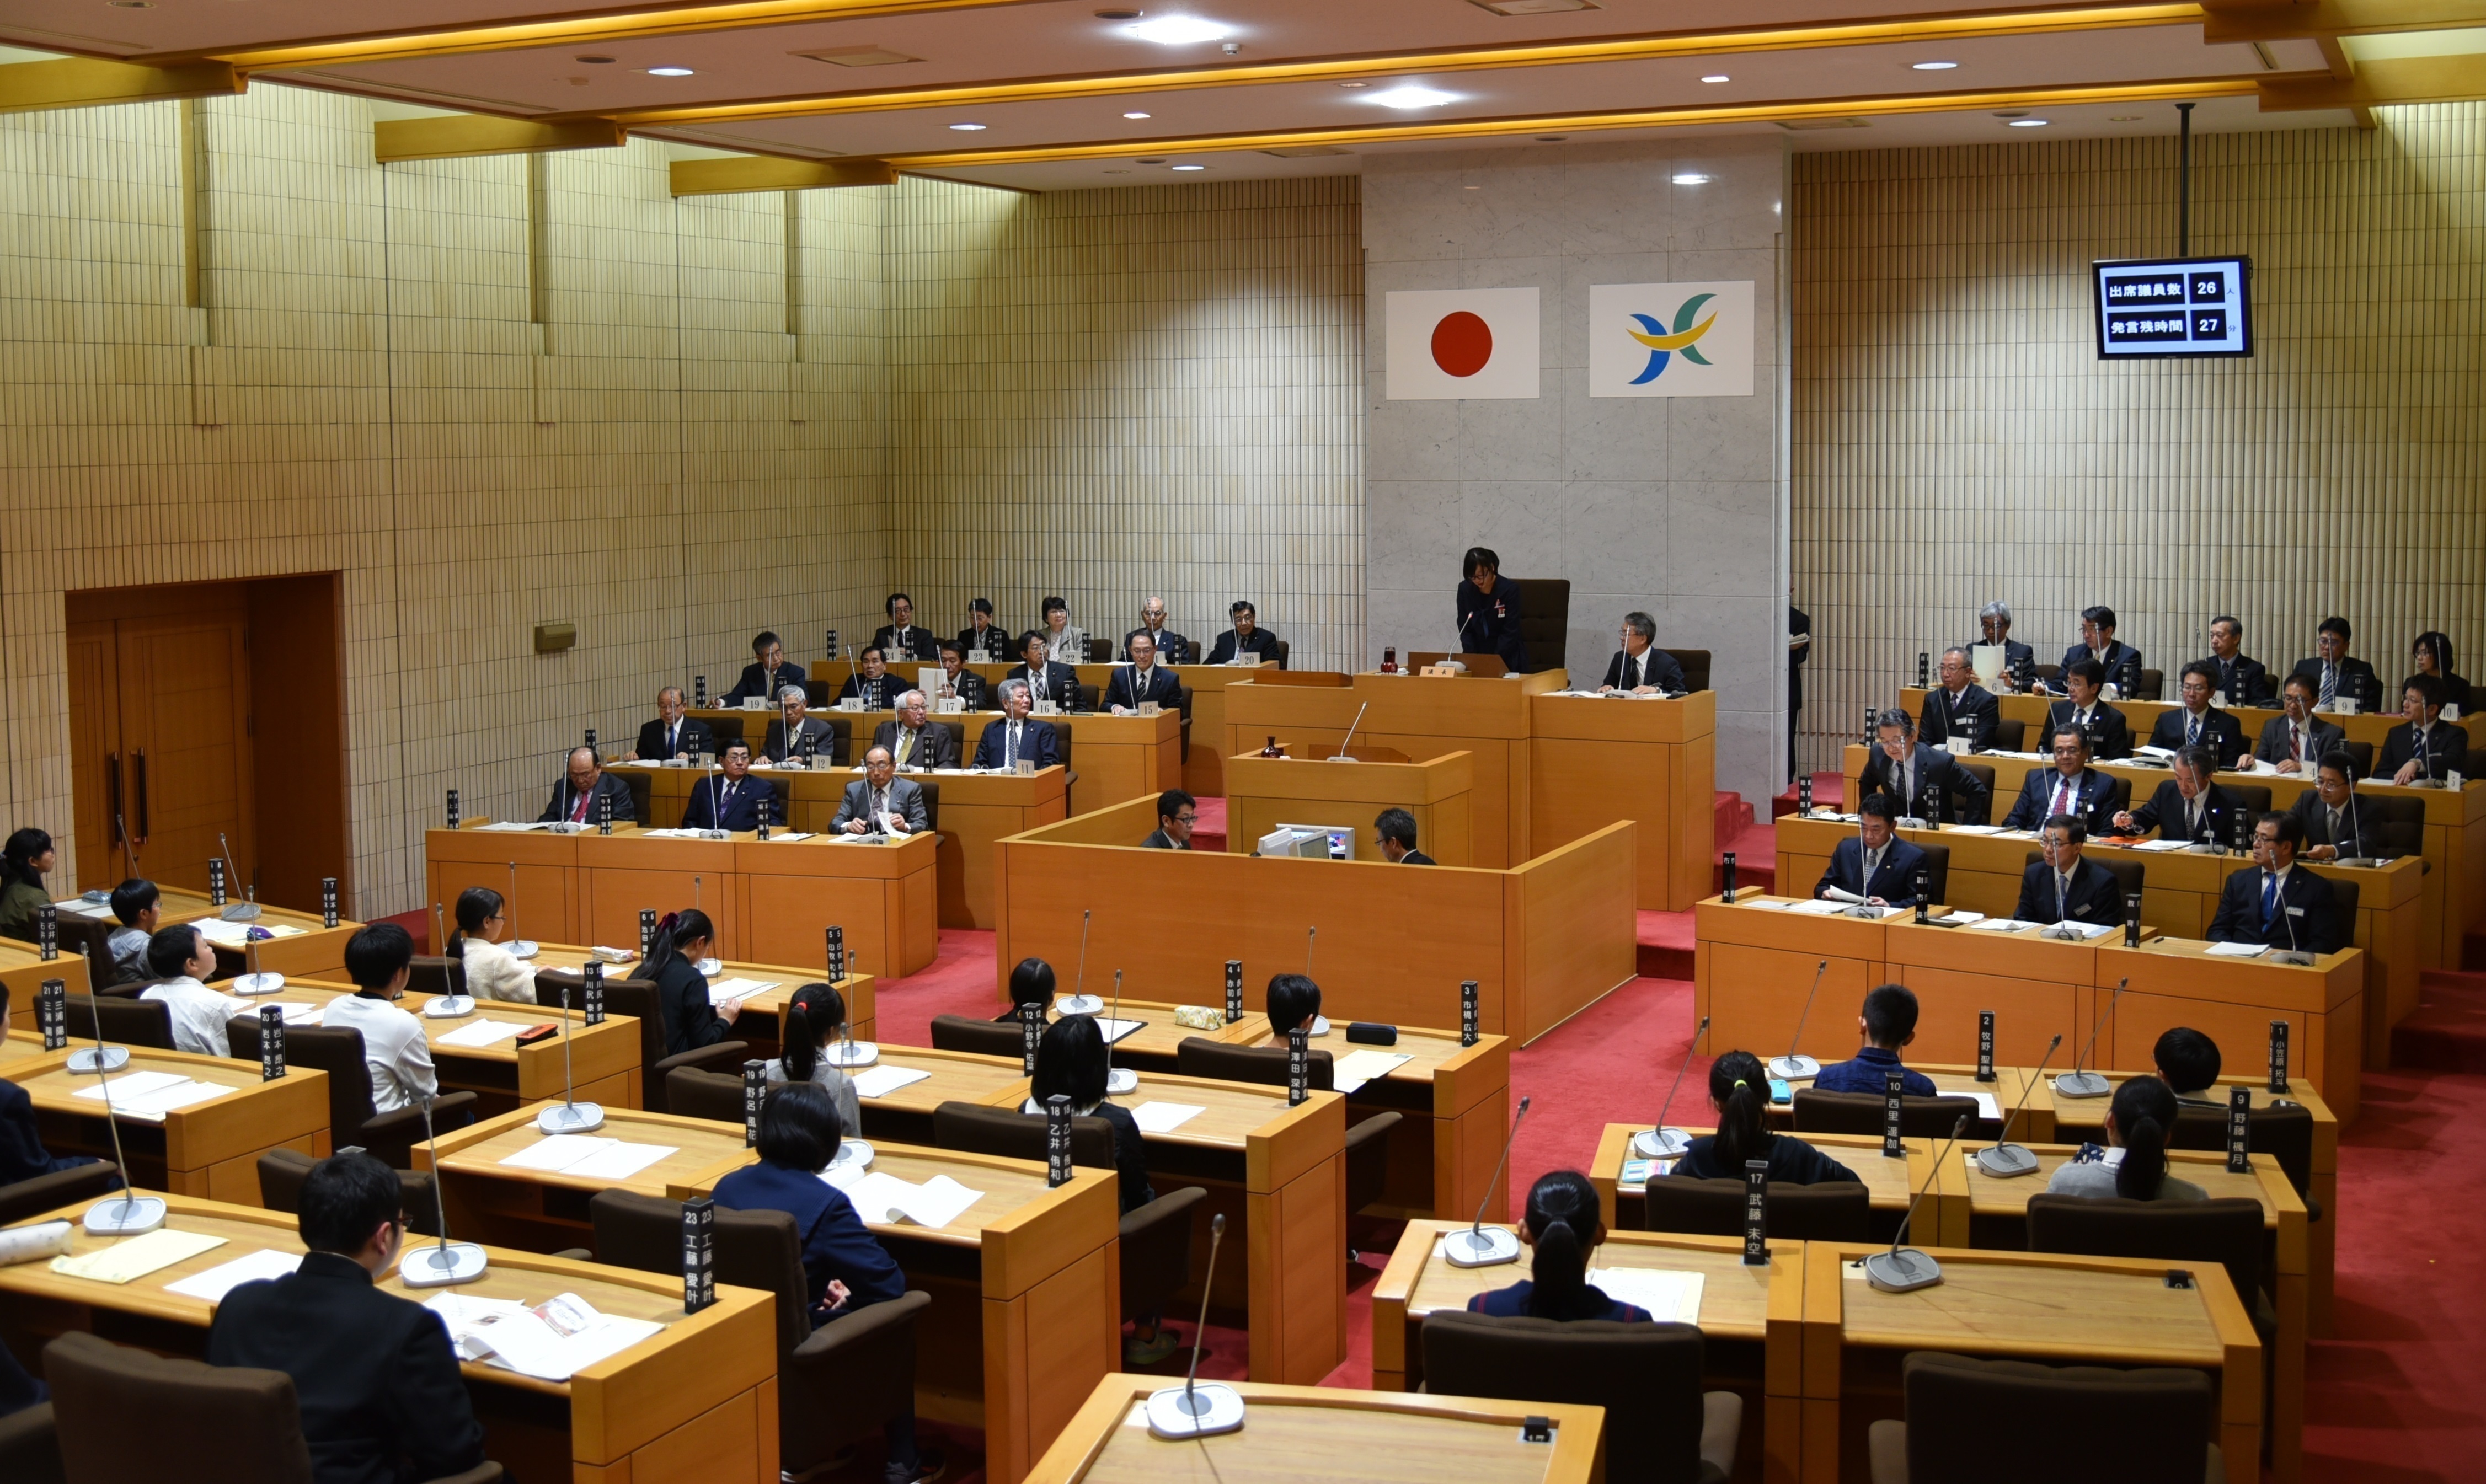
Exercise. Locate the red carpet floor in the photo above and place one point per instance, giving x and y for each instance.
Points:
(2392, 1399)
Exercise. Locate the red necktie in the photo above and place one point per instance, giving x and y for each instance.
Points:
(2062, 796)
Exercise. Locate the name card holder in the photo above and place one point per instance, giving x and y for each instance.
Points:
(754, 1093)
(1985, 1046)
(2240, 1131)
(271, 1043)
(1894, 1087)
(1233, 990)
(699, 1254)
(52, 1013)
(1756, 1209)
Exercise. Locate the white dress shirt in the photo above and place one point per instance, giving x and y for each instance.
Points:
(394, 1049)
(199, 1016)
(491, 973)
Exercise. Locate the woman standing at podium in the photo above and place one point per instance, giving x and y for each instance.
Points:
(1489, 611)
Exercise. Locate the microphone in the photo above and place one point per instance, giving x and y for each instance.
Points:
(1340, 754)
(2354, 828)
(2295, 954)
(1118, 1079)
(131, 1214)
(2006, 1159)
(1457, 643)
(450, 1262)
(1320, 1023)
(1791, 1068)
(2077, 1083)
(103, 1057)
(1192, 1410)
(452, 1005)
(1905, 1270)
(1475, 1247)
(510, 908)
(247, 909)
(573, 1116)
(1662, 1143)
(1079, 1002)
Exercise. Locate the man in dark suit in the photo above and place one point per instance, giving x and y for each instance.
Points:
(2071, 786)
(2186, 806)
(793, 724)
(1994, 620)
(584, 791)
(872, 682)
(2120, 661)
(2196, 722)
(2066, 887)
(912, 741)
(382, 1395)
(1874, 862)
(960, 681)
(982, 637)
(768, 673)
(1046, 679)
(2335, 675)
(1172, 648)
(902, 637)
(1799, 651)
(2110, 734)
(2294, 742)
(1178, 815)
(1905, 770)
(1142, 679)
(2279, 905)
(2239, 681)
(1245, 637)
(731, 800)
(1639, 667)
(2332, 825)
(2421, 747)
(1959, 709)
(671, 734)
(1394, 830)
(881, 802)
(1014, 738)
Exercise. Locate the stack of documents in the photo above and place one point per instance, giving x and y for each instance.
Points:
(883, 1080)
(551, 1341)
(1670, 1295)
(1357, 1067)
(587, 1156)
(482, 1032)
(888, 1200)
(1165, 1117)
(720, 990)
(149, 1096)
(134, 1258)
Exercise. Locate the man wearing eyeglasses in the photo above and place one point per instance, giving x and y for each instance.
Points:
(1178, 816)
(1639, 667)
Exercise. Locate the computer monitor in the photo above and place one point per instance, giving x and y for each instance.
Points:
(1322, 842)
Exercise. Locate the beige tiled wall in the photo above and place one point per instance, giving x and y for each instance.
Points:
(1956, 439)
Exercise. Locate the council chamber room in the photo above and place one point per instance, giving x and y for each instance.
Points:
(1733, 739)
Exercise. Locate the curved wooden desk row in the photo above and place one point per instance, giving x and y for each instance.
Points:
(307, 946)
(1543, 940)
(2141, 715)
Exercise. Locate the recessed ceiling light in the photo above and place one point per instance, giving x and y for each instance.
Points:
(669, 71)
(1933, 66)
(968, 129)
(1191, 167)
(1178, 30)
(595, 61)
(1691, 177)
(2027, 124)
(1717, 78)
(1135, 115)
(1410, 96)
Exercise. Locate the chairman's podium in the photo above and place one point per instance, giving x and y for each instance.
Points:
(1262, 793)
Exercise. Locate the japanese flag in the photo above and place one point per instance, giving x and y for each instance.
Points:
(1445, 344)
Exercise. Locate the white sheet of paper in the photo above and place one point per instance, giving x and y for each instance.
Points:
(525, 1343)
(1840, 895)
(1165, 1117)
(2160, 844)
(2001, 925)
(510, 826)
(456, 1308)
(2084, 930)
(2238, 950)
(130, 1084)
(1668, 1293)
(1986, 1105)
(1973, 829)
(481, 1032)
(789, 836)
(618, 1160)
(1114, 1029)
(720, 990)
(1357, 1067)
(120, 1262)
(556, 1152)
(234, 935)
(887, 1200)
(883, 1080)
(297, 1012)
(1821, 908)
(223, 1278)
(164, 1100)
(1963, 917)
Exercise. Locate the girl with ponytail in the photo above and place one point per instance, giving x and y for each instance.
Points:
(491, 973)
(2137, 1124)
(1739, 1088)
(1563, 1226)
(812, 1019)
(691, 1021)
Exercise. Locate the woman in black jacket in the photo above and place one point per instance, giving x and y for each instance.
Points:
(691, 1021)
(1739, 1089)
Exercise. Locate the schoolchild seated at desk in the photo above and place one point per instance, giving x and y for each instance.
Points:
(1293, 999)
(814, 1017)
(138, 907)
(1738, 1088)
(1563, 1227)
(379, 959)
(492, 971)
(2188, 1062)
(182, 958)
(1070, 1062)
(22, 1155)
(1888, 1023)
(847, 1267)
(1029, 983)
(2136, 1126)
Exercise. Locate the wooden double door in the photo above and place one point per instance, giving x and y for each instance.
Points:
(161, 732)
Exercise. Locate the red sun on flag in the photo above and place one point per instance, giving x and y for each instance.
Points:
(1462, 344)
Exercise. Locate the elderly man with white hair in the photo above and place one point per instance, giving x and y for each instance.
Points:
(786, 734)
(1172, 648)
(913, 741)
(1994, 620)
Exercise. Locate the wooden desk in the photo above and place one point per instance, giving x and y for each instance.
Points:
(1367, 1436)
(23, 970)
(2179, 898)
(762, 1021)
(2141, 715)
(1543, 941)
(1751, 1318)
(2053, 1309)
(905, 1114)
(306, 944)
(209, 1150)
(1026, 1289)
(887, 897)
(1890, 1184)
(1203, 765)
(2232, 1001)
(1997, 1218)
(1117, 758)
(544, 1211)
(1280, 1175)
(1455, 1108)
(694, 1404)
(604, 1058)
(1594, 759)
(1262, 793)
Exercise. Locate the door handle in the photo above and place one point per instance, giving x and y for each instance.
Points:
(112, 791)
(139, 757)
